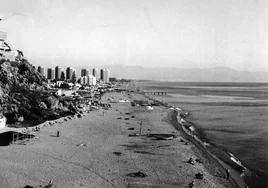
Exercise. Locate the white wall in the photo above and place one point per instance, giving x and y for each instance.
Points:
(3, 122)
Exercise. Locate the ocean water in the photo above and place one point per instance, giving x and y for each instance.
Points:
(231, 117)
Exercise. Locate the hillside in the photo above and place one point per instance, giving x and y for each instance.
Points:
(25, 100)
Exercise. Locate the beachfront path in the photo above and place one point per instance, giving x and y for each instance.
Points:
(97, 151)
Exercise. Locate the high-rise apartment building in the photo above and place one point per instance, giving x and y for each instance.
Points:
(84, 72)
(69, 73)
(105, 75)
(58, 71)
(73, 77)
(50, 73)
(96, 73)
(102, 74)
(87, 72)
(41, 70)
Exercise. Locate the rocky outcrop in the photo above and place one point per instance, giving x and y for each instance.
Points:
(20, 74)
(24, 98)
(52, 102)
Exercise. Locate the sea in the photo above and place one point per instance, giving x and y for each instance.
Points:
(232, 118)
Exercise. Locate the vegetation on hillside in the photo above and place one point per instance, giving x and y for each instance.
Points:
(24, 97)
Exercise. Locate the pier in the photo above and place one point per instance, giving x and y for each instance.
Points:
(155, 93)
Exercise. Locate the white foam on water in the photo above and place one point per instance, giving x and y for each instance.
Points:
(236, 160)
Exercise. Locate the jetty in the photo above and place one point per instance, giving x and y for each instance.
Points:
(155, 93)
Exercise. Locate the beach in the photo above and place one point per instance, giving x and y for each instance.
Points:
(122, 146)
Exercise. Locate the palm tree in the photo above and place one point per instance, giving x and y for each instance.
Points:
(74, 78)
(62, 76)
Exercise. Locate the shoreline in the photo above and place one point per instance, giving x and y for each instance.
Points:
(235, 176)
(242, 175)
(97, 145)
(251, 169)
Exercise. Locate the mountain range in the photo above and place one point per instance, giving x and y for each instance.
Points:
(217, 74)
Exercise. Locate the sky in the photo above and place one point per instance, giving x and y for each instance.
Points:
(150, 33)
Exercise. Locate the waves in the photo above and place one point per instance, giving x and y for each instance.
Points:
(236, 160)
(231, 125)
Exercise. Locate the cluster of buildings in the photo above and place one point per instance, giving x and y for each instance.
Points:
(6, 52)
(58, 74)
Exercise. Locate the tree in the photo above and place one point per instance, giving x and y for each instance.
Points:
(62, 76)
(74, 78)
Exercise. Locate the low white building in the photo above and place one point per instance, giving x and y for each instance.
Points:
(3, 121)
(58, 83)
(59, 92)
(6, 52)
(88, 80)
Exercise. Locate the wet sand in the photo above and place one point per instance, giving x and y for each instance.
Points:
(99, 150)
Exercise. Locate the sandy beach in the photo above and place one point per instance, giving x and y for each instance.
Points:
(125, 146)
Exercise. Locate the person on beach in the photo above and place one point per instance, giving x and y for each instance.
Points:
(58, 133)
(227, 173)
(192, 183)
(191, 161)
(103, 113)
